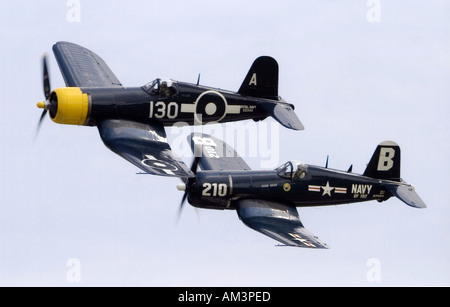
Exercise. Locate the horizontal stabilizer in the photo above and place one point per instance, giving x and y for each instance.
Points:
(283, 113)
(407, 194)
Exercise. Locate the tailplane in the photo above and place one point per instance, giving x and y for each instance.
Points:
(283, 113)
(407, 194)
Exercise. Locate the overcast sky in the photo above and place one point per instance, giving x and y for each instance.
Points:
(358, 72)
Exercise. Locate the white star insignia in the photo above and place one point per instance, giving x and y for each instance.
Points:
(327, 189)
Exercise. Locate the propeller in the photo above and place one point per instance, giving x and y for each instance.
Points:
(50, 104)
(187, 184)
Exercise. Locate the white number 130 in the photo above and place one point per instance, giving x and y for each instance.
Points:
(161, 109)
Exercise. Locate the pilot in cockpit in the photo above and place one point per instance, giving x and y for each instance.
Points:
(300, 172)
(166, 88)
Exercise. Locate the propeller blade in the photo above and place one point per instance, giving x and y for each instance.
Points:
(40, 122)
(47, 91)
(42, 118)
(180, 209)
(194, 165)
(185, 186)
(46, 79)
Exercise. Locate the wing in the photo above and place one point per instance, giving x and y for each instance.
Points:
(143, 145)
(81, 67)
(277, 221)
(215, 154)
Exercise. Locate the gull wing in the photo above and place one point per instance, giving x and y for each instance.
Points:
(215, 154)
(81, 67)
(143, 145)
(277, 221)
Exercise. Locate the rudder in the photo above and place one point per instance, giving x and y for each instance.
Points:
(262, 79)
(385, 162)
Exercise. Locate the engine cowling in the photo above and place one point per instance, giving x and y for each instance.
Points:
(210, 191)
(69, 105)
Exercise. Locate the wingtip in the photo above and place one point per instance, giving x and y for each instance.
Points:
(299, 127)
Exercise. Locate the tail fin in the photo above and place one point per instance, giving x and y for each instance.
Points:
(262, 82)
(262, 79)
(385, 162)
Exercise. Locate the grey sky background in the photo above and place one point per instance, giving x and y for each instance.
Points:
(358, 73)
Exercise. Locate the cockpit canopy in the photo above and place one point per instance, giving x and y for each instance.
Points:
(161, 87)
(292, 170)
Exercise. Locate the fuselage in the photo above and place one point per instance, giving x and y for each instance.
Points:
(317, 186)
(177, 102)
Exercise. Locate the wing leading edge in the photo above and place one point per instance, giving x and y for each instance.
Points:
(277, 221)
(143, 145)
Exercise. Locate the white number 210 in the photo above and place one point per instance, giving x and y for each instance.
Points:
(214, 189)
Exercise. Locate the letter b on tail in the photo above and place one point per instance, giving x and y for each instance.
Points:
(386, 159)
(385, 162)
